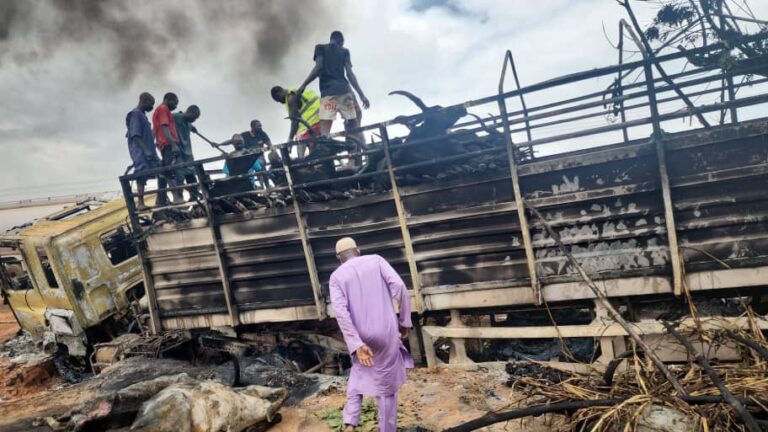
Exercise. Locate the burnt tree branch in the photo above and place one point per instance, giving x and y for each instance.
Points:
(742, 412)
(648, 54)
(569, 406)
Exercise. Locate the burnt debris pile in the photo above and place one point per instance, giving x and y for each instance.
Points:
(632, 394)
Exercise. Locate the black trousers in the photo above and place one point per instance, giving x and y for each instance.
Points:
(168, 177)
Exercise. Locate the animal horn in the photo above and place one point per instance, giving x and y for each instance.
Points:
(482, 123)
(415, 99)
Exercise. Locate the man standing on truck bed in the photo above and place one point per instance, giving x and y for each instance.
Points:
(333, 65)
(141, 143)
(362, 290)
(164, 129)
(183, 122)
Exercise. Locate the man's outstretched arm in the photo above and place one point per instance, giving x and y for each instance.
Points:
(353, 80)
(293, 111)
(313, 74)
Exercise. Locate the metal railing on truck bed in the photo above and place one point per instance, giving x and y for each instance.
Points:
(645, 211)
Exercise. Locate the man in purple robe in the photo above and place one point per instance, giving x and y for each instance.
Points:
(362, 291)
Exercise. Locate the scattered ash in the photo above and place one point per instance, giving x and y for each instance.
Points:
(24, 344)
(517, 370)
(300, 386)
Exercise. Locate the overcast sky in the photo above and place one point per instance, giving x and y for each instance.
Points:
(69, 74)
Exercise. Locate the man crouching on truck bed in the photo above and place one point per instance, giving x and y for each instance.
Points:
(305, 106)
(362, 289)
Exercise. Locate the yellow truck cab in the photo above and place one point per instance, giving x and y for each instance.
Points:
(71, 277)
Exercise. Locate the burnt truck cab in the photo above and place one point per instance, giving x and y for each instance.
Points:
(71, 277)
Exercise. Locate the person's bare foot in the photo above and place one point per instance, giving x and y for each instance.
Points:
(141, 207)
(349, 428)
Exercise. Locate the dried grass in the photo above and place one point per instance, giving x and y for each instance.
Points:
(643, 385)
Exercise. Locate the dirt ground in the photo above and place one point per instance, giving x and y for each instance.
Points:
(431, 400)
(8, 326)
(24, 376)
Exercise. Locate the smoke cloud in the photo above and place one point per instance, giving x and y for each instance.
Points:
(138, 38)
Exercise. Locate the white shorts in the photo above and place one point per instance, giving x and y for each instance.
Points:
(343, 104)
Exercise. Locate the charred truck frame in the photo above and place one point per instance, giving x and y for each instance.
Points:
(651, 215)
(73, 277)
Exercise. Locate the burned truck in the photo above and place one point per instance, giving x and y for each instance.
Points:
(73, 278)
(462, 200)
(655, 208)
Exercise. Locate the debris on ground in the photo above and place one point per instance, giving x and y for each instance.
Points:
(633, 395)
(209, 406)
(533, 370)
(430, 400)
(25, 370)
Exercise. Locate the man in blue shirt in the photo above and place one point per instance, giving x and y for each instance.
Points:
(249, 160)
(141, 143)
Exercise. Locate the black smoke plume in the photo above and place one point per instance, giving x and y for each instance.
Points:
(146, 37)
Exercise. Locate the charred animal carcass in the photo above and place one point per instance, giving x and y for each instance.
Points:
(430, 137)
(433, 122)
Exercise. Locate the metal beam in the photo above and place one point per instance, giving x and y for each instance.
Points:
(732, 97)
(669, 216)
(661, 152)
(234, 313)
(149, 283)
(511, 60)
(521, 215)
(619, 86)
(309, 255)
(401, 218)
(602, 330)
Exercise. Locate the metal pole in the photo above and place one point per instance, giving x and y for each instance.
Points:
(309, 255)
(234, 313)
(619, 87)
(518, 196)
(404, 231)
(666, 191)
(149, 283)
(511, 60)
(732, 97)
